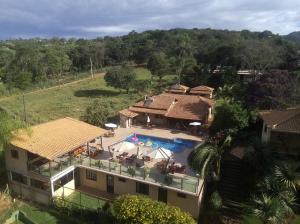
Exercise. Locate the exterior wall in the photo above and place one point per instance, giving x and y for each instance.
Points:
(18, 165)
(154, 119)
(125, 122)
(29, 193)
(99, 184)
(286, 143)
(190, 203)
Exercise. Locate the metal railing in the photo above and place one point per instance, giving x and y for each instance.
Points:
(152, 175)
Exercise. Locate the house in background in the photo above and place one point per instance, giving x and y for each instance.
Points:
(204, 91)
(247, 76)
(178, 89)
(169, 110)
(281, 128)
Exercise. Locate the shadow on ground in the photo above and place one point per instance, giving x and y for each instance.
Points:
(95, 93)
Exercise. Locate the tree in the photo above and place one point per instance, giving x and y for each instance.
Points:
(98, 112)
(269, 210)
(133, 209)
(22, 80)
(230, 117)
(206, 159)
(158, 64)
(123, 78)
(260, 54)
(8, 128)
(273, 90)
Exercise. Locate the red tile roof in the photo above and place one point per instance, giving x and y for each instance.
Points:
(282, 120)
(201, 89)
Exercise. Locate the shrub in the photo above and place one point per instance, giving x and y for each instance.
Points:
(98, 112)
(132, 209)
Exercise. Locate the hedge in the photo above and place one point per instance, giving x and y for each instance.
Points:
(132, 209)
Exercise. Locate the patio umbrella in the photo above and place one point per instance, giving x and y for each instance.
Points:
(110, 125)
(195, 123)
(125, 147)
(160, 153)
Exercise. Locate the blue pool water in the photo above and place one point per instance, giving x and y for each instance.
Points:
(174, 145)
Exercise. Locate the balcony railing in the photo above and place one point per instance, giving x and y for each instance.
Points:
(154, 175)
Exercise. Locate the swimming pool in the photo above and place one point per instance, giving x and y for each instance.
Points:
(175, 145)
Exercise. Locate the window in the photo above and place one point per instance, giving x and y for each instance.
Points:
(91, 175)
(142, 188)
(38, 184)
(181, 195)
(121, 179)
(18, 178)
(14, 154)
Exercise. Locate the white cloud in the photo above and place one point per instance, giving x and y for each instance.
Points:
(89, 18)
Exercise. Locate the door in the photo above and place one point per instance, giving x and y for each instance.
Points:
(110, 184)
(162, 194)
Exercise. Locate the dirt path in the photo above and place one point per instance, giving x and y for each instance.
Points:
(97, 75)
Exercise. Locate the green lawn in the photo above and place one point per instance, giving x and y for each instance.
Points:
(85, 200)
(69, 100)
(41, 215)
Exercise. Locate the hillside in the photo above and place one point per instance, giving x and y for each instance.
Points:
(294, 36)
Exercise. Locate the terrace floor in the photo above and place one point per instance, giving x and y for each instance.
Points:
(122, 133)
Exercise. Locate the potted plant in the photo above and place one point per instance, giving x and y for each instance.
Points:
(99, 164)
(146, 172)
(131, 171)
(168, 179)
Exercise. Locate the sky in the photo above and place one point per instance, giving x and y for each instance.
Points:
(92, 18)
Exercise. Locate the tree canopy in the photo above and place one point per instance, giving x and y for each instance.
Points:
(120, 78)
(132, 209)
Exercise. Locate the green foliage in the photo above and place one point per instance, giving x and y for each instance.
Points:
(215, 202)
(98, 112)
(123, 78)
(274, 90)
(229, 117)
(132, 209)
(158, 64)
(22, 80)
(268, 209)
(8, 128)
(206, 159)
(131, 171)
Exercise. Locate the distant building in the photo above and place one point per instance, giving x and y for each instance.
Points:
(221, 69)
(247, 76)
(178, 89)
(204, 91)
(281, 128)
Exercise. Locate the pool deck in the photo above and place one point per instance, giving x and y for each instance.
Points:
(178, 157)
(122, 133)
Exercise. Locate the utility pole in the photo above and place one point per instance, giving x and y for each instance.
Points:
(24, 108)
(92, 74)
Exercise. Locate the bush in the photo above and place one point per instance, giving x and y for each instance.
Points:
(97, 113)
(132, 209)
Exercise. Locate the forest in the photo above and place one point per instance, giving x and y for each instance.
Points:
(191, 54)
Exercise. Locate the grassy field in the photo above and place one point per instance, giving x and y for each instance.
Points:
(70, 100)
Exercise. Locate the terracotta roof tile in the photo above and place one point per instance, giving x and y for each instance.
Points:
(55, 138)
(128, 113)
(201, 89)
(284, 120)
